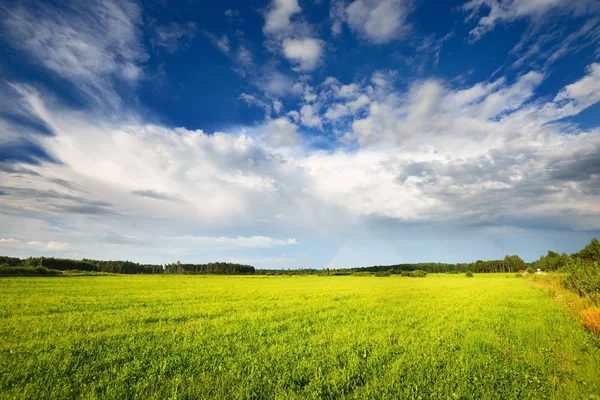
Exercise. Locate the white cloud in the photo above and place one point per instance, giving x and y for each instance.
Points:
(295, 40)
(337, 15)
(378, 21)
(221, 43)
(336, 111)
(275, 83)
(482, 154)
(173, 36)
(90, 44)
(234, 242)
(294, 115)
(277, 18)
(281, 132)
(347, 91)
(584, 92)
(506, 11)
(35, 245)
(309, 117)
(277, 106)
(9, 241)
(305, 53)
(253, 101)
(306, 91)
(340, 110)
(51, 246)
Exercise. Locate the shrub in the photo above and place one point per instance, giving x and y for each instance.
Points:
(417, 273)
(590, 318)
(382, 273)
(582, 277)
(518, 275)
(469, 274)
(405, 273)
(530, 270)
(6, 270)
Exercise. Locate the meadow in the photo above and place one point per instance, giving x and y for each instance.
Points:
(259, 337)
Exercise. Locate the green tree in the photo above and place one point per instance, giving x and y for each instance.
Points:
(514, 263)
(591, 252)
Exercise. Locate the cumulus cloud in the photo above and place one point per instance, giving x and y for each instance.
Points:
(378, 21)
(305, 53)
(295, 40)
(481, 154)
(281, 132)
(277, 17)
(309, 117)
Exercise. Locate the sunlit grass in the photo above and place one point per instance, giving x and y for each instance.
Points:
(444, 336)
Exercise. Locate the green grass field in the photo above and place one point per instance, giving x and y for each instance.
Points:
(441, 337)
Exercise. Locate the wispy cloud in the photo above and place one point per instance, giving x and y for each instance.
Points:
(506, 11)
(173, 37)
(93, 45)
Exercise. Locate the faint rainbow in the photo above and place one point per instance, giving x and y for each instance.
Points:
(337, 253)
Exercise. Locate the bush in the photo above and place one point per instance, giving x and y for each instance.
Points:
(518, 275)
(6, 270)
(417, 273)
(582, 277)
(405, 273)
(530, 270)
(469, 274)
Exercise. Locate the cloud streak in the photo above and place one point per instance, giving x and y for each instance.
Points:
(95, 46)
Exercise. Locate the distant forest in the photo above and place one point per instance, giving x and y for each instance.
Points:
(552, 261)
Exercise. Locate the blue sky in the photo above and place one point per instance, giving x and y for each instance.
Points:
(290, 133)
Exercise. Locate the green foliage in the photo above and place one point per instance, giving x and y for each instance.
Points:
(222, 268)
(591, 252)
(382, 273)
(61, 264)
(405, 273)
(10, 261)
(530, 270)
(418, 274)
(469, 274)
(259, 337)
(514, 263)
(552, 261)
(518, 275)
(7, 270)
(582, 277)
(129, 267)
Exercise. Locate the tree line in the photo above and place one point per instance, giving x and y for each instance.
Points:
(120, 267)
(552, 261)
